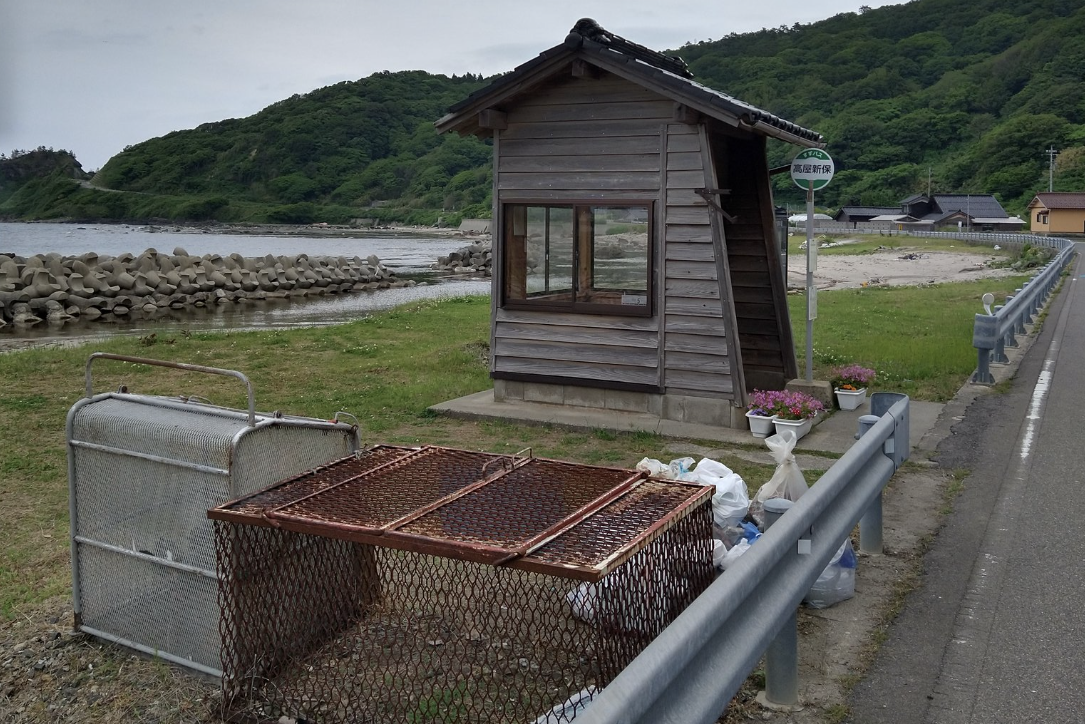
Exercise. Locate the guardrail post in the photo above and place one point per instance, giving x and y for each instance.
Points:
(870, 525)
(782, 656)
(998, 355)
(1036, 294)
(1018, 319)
(1009, 339)
(1026, 309)
(984, 337)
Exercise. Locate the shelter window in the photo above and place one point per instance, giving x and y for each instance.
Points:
(593, 258)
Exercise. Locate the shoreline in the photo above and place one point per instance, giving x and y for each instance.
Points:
(283, 230)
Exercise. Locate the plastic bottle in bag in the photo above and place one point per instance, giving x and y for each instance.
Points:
(837, 582)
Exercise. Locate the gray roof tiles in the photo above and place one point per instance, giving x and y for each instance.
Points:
(975, 205)
(665, 72)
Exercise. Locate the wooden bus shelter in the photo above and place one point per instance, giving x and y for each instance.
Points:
(635, 260)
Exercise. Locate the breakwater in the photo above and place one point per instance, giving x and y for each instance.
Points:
(56, 289)
(475, 259)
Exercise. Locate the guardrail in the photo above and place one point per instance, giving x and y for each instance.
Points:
(998, 328)
(693, 669)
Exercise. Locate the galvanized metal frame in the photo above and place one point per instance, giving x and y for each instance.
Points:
(253, 423)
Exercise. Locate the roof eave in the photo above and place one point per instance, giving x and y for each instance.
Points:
(462, 117)
(679, 90)
(782, 135)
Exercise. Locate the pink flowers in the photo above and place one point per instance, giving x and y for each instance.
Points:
(784, 404)
(852, 377)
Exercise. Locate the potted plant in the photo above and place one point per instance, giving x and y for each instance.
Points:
(762, 411)
(795, 411)
(850, 384)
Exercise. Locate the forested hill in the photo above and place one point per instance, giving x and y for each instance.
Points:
(968, 95)
(974, 91)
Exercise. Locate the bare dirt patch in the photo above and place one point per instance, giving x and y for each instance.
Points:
(896, 267)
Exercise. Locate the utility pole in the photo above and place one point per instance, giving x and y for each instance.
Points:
(1051, 153)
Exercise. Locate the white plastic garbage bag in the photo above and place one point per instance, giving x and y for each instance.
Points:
(595, 603)
(731, 500)
(728, 559)
(584, 600)
(787, 481)
(837, 582)
(678, 469)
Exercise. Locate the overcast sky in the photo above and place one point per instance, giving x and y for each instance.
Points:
(93, 76)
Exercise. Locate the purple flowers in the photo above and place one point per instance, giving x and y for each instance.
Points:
(785, 404)
(852, 377)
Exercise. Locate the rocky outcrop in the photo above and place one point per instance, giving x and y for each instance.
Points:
(54, 289)
(475, 259)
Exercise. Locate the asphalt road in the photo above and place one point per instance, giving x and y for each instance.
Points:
(996, 631)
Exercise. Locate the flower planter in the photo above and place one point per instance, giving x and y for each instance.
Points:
(799, 427)
(850, 399)
(760, 425)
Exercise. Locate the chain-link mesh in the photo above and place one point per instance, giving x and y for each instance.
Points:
(339, 622)
(144, 472)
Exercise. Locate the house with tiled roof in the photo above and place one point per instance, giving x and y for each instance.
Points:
(972, 212)
(636, 264)
(848, 214)
(1057, 212)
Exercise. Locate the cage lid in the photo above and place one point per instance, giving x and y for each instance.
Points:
(561, 518)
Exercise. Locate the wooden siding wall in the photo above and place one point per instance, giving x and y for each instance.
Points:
(695, 337)
(581, 138)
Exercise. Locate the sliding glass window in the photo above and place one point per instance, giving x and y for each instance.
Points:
(593, 258)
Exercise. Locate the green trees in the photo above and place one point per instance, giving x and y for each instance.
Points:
(352, 144)
(972, 91)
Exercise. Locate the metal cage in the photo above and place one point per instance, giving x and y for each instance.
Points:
(142, 473)
(434, 584)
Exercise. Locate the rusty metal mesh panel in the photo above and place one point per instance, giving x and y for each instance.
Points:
(519, 505)
(386, 494)
(339, 631)
(315, 480)
(616, 526)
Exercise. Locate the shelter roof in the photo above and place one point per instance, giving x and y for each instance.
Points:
(667, 75)
(1059, 200)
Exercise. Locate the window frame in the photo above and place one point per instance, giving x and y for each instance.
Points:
(573, 305)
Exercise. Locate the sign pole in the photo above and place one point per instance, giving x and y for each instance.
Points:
(810, 170)
(811, 291)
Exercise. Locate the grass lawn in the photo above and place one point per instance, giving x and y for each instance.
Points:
(387, 370)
